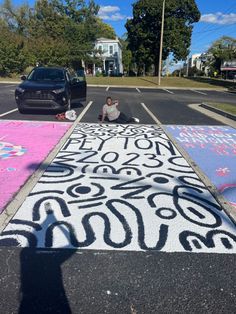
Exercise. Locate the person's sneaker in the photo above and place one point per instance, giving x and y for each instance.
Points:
(136, 120)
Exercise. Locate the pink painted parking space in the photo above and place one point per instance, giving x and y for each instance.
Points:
(23, 147)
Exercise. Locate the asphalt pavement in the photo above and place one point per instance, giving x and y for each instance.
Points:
(169, 106)
(132, 280)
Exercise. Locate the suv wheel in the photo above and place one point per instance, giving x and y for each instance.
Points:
(21, 110)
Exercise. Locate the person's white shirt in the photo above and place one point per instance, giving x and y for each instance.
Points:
(111, 111)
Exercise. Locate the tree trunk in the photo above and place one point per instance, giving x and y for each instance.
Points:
(156, 68)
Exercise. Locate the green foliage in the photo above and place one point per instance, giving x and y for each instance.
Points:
(104, 30)
(53, 32)
(127, 56)
(144, 30)
(12, 58)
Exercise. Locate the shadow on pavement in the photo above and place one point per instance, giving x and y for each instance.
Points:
(42, 289)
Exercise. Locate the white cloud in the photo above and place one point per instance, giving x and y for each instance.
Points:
(219, 18)
(111, 13)
(108, 9)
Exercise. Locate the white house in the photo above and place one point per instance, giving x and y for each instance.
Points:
(110, 52)
(195, 61)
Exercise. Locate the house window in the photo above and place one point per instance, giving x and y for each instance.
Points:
(100, 47)
(105, 47)
(111, 50)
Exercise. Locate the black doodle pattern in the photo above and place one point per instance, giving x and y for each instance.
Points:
(121, 187)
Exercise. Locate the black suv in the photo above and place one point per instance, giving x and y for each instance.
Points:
(51, 88)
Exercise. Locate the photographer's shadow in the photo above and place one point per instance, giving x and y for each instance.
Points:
(42, 288)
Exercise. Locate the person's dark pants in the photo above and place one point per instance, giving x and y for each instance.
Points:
(122, 119)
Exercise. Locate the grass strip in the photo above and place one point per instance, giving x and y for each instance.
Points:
(229, 108)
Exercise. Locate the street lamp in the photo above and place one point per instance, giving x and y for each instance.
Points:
(161, 42)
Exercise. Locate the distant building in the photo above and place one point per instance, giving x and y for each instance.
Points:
(195, 61)
(110, 54)
(228, 69)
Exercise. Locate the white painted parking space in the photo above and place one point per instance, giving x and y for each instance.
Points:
(138, 90)
(168, 91)
(121, 187)
(8, 112)
(107, 89)
(198, 91)
(151, 114)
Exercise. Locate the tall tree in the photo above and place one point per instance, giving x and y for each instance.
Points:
(144, 29)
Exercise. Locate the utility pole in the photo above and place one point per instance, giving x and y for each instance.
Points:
(187, 70)
(161, 42)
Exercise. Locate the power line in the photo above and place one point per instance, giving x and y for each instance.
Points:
(216, 28)
(224, 12)
(206, 37)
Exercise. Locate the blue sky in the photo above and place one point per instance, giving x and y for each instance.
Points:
(218, 19)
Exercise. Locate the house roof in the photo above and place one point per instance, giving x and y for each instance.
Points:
(102, 39)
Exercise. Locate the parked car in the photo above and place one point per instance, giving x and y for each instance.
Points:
(51, 88)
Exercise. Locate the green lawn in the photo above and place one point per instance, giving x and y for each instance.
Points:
(149, 81)
(9, 79)
(165, 82)
(225, 107)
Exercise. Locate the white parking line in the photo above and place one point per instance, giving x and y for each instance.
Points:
(150, 113)
(197, 91)
(168, 91)
(84, 111)
(138, 90)
(107, 89)
(8, 112)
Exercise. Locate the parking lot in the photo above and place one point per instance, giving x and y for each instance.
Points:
(168, 106)
(119, 219)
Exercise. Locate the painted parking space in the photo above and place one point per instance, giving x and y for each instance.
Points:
(23, 147)
(114, 187)
(213, 148)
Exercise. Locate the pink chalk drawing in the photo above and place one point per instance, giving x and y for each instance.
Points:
(222, 172)
(23, 147)
(8, 150)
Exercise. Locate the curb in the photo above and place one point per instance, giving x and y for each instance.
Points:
(219, 111)
(23, 192)
(213, 115)
(10, 82)
(143, 87)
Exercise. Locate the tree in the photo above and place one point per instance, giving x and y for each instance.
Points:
(223, 49)
(52, 32)
(104, 30)
(144, 30)
(12, 58)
